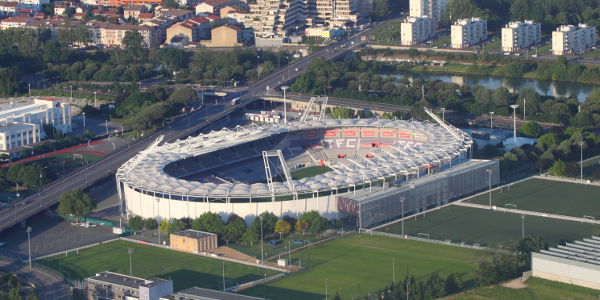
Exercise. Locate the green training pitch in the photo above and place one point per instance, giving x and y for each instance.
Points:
(548, 196)
(359, 264)
(489, 228)
(186, 270)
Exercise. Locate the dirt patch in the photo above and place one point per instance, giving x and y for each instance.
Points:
(515, 284)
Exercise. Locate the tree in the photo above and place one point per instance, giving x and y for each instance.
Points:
(558, 168)
(183, 95)
(250, 236)
(381, 9)
(268, 223)
(209, 222)
(234, 228)
(177, 225)
(316, 222)
(531, 129)
(282, 227)
(54, 52)
(136, 223)
(163, 226)
(301, 226)
(75, 203)
(453, 284)
(527, 245)
(9, 82)
(134, 45)
(150, 224)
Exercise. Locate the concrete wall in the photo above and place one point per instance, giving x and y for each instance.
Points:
(146, 206)
(564, 270)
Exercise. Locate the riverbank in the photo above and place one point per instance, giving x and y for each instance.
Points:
(484, 64)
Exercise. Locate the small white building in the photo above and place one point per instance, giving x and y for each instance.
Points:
(428, 8)
(23, 124)
(467, 32)
(517, 35)
(575, 263)
(573, 39)
(415, 30)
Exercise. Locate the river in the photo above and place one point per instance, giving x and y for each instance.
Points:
(542, 87)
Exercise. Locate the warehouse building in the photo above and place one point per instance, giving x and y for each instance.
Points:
(575, 263)
(193, 241)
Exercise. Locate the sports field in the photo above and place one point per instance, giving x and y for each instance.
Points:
(536, 289)
(489, 228)
(549, 196)
(186, 270)
(359, 264)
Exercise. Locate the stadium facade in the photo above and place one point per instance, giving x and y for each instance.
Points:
(224, 171)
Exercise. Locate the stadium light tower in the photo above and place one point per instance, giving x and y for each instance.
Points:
(522, 226)
(491, 120)
(130, 251)
(514, 107)
(284, 88)
(489, 171)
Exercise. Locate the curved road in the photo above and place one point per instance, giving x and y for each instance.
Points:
(48, 285)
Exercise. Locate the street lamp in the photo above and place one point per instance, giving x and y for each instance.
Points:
(83, 114)
(106, 126)
(581, 160)
(443, 114)
(491, 120)
(524, 107)
(522, 226)
(29, 90)
(402, 201)
(223, 276)
(158, 213)
(257, 65)
(325, 289)
(262, 250)
(95, 100)
(514, 107)
(71, 86)
(489, 171)
(284, 88)
(28, 230)
(130, 251)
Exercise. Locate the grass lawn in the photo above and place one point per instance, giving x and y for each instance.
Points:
(310, 172)
(359, 264)
(186, 270)
(490, 228)
(536, 289)
(548, 196)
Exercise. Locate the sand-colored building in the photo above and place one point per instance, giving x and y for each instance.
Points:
(193, 241)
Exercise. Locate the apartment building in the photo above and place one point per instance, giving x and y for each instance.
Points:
(109, 285)
(415, 30)
(276, 19)
(190, 30)
(573, 39)
(467, 32)
(9, 8)
(331, 13)
(428, 8)
(213, 6)
(517, 35)
(133, 11)
(113, 34)
(23, 124)
(33, 4)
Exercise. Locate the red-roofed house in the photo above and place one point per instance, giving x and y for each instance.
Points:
(16, 21)
(225, 36)
(213, 6)
(145, 16)
(9, 8)
(190, 30)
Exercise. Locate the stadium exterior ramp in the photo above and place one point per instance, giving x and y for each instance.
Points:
(414, 149)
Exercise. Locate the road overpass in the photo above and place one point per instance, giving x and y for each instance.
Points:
(181, 127)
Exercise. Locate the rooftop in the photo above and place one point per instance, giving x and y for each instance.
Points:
(125, 280)
(191, 233)
(196, 293)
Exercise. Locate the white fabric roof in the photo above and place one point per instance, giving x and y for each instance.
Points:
(146, 170)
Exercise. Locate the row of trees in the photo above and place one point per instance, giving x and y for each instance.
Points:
(235, 228)
(11, 288)
(31, 175)
(433, 286)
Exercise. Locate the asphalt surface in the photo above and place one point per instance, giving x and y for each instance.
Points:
(48, 285)
(179, 128)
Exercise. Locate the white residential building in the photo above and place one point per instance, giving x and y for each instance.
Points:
(573, 39)
(415, 30)
(23, 124)
(467, 32)
(428, 8)
(517, 35)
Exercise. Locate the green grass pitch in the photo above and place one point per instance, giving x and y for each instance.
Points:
(548, 196)
(359, 264)
(489, 228)
(310, 172)
(186, 270)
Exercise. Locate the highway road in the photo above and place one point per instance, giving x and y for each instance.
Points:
(179, 128)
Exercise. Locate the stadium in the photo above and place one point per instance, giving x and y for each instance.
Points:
(249, 170)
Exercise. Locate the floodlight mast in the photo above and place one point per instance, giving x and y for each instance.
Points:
(514, 107)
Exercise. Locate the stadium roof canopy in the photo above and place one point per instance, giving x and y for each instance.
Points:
(146, 170)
